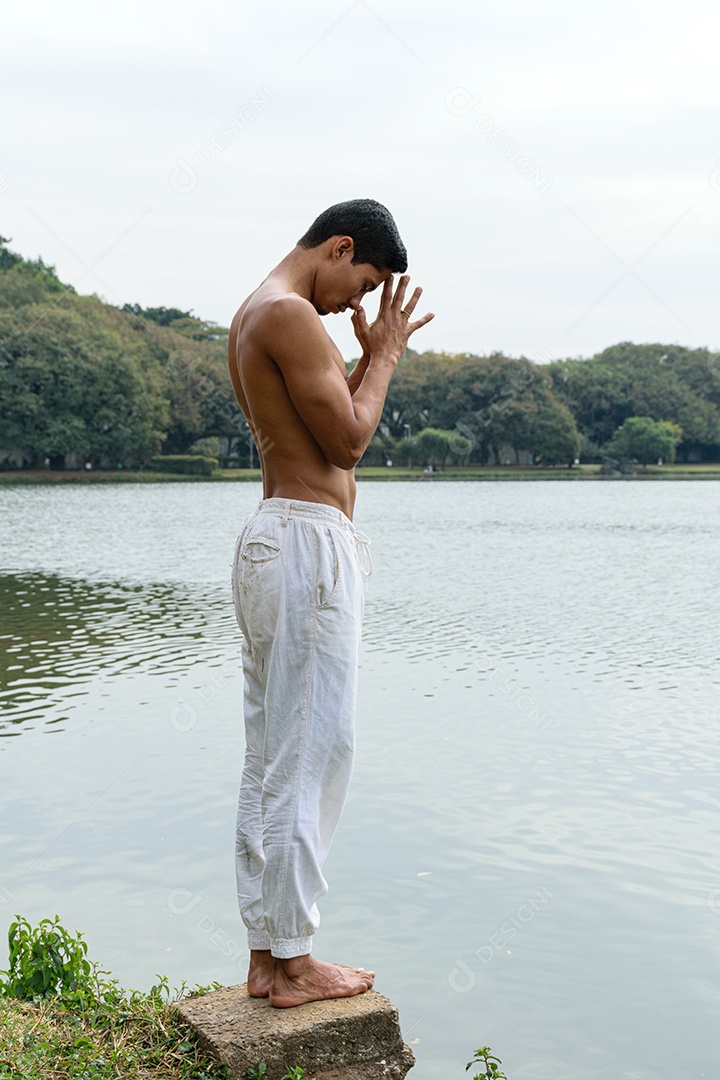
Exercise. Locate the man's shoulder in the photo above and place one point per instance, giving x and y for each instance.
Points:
(281, 317)
(290, 306)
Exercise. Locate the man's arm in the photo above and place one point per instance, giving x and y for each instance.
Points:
(355, 377)
(342, 422)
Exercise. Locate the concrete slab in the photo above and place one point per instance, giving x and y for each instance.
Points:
(355, 1038)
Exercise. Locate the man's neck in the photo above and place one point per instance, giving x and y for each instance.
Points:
(297, 271)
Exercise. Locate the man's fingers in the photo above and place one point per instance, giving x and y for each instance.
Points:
(398, 306)
(399, 297)
(360, 326)
(412, 327)
(410, 306)
(386, 297)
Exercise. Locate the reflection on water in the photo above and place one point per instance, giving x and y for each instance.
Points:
(59, 634)
(529, 854)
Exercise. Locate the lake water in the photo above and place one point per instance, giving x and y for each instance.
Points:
(530, 854)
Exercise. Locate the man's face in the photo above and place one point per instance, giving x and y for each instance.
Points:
(347, 284)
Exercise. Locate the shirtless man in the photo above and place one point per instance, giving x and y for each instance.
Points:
(298, 575)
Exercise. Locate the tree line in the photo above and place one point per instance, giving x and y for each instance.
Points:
(83, 381)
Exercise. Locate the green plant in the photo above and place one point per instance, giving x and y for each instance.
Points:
(60, 1015)
(260, 1073)
(484, 1056)
(44, 961)
(190, 464)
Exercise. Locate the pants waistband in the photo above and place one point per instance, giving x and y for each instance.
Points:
(298, 509)
(310, 511)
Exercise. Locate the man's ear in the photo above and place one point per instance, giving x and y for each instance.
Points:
(343, 248)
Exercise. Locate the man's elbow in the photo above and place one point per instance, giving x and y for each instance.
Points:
(346, 457)
(343, 446)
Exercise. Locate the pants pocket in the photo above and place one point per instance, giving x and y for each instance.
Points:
(260, 549)
(330, 570)
(259, 592)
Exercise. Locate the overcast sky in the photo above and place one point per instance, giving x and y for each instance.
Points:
(554, 168)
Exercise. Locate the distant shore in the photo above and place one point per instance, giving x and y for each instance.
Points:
(472, 472)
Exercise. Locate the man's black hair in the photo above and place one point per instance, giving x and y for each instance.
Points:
(372, 228)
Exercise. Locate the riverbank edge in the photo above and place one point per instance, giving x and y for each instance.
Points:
(52, 1037)
(582, 472)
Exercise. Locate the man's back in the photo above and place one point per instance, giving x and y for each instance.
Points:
(293, 463)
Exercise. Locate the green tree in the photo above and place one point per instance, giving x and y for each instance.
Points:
(552, 435)
(75, 381)
(431, 446)
(416, 392)
(662, 382)
(31, 268)
(379, 451)
(596, 394)
(201, 397)
(645, 440)
(81, 380)
(182, 322)
(405, 452)
(498, 402)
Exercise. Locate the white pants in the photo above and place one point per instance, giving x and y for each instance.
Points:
(298, 589)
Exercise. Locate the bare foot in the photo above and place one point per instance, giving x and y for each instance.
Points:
(260, 972)
(303, 979)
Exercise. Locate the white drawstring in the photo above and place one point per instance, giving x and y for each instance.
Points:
(363, 546)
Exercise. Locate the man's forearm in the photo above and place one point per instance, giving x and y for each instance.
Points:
(356, 375)
(368, 399)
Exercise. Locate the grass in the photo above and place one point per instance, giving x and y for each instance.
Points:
(61, 1018)
(129, 1036)
(366, 472)
(109, 476)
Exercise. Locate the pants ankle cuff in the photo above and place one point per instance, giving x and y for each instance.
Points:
(258, 939)
(286, 948)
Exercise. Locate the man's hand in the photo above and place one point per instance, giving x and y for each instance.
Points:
(389, 334)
